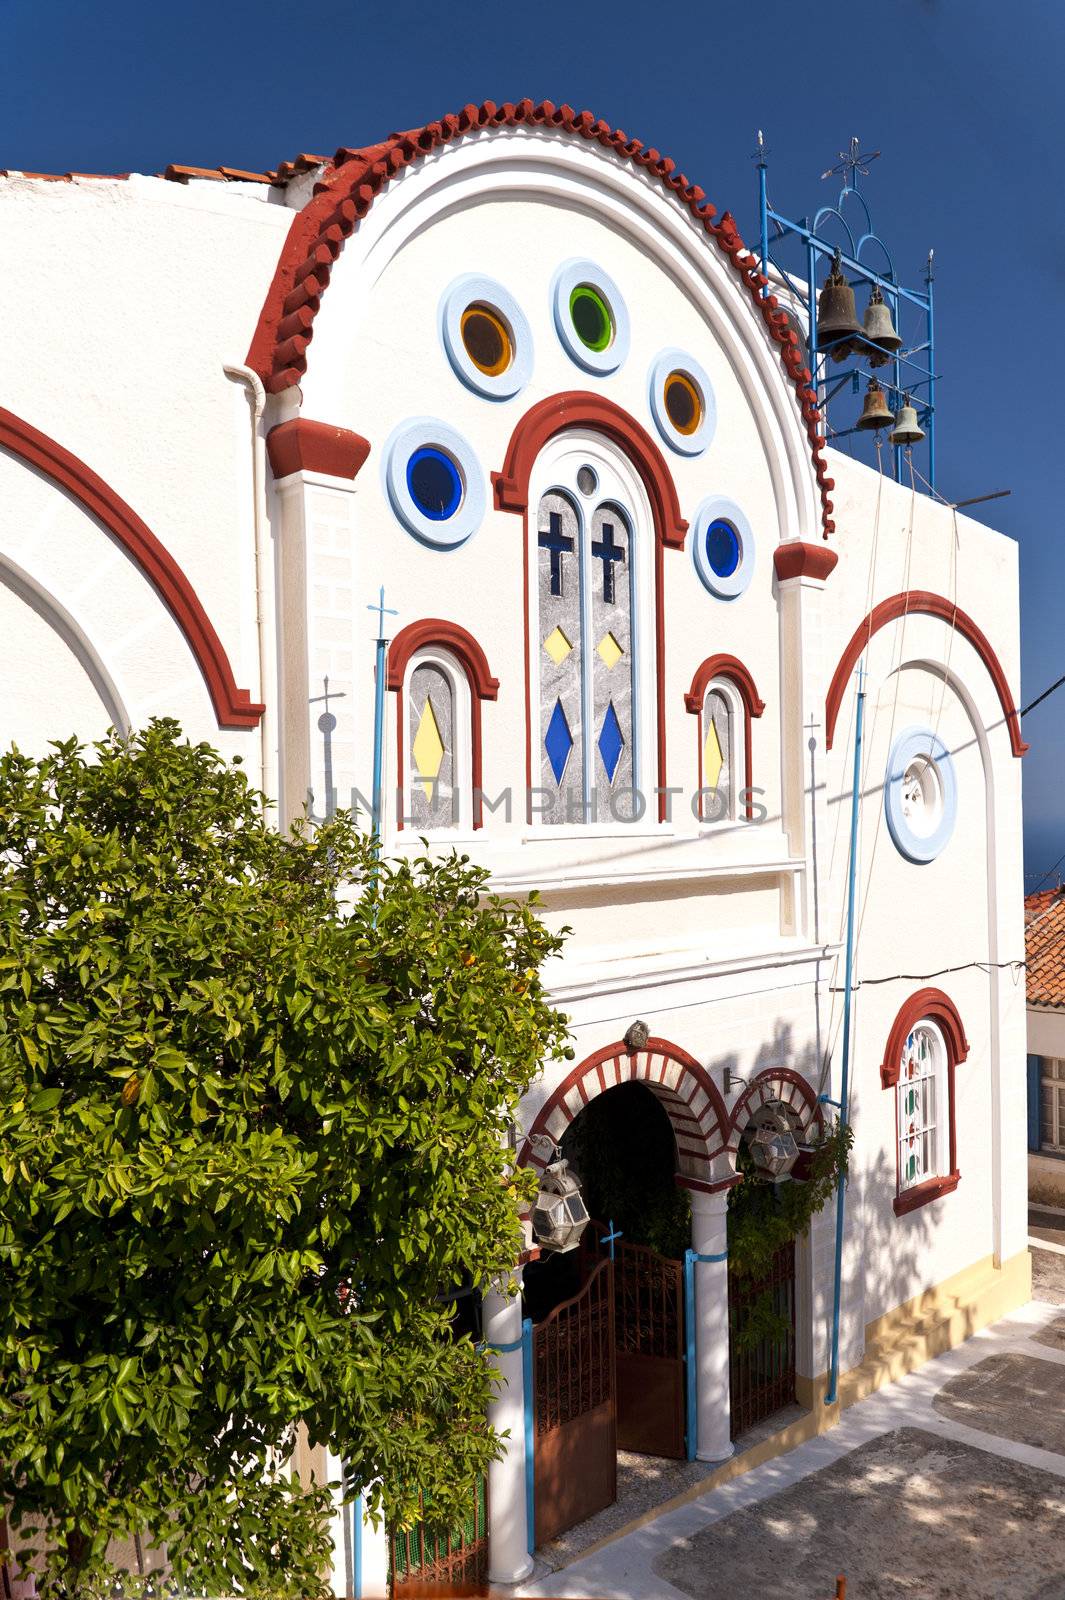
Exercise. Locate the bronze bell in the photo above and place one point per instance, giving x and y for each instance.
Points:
(837, 315)
(880, 330)
(907, 429)
(875, 413)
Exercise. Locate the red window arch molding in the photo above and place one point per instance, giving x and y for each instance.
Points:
(753, 705)
(934, 1006)
(449, 636)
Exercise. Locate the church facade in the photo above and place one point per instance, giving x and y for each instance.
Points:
(515, 371)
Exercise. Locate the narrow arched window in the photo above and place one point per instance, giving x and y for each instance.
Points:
(586, 663)
(720, 754)
(437, 788)
(923, 1108)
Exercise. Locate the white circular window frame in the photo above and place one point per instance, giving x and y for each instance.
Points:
(913, 746)
(418, 433)
(569, 276)
(711, 510)
(685, 444)
(471, 289)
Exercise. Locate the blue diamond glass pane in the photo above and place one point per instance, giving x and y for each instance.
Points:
(611, 741)
(434, 483)
(722, 548)
(558, 741)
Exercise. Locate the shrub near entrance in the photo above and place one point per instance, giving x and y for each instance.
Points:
(254, 1102)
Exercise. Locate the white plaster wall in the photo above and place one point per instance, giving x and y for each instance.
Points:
(149, 288)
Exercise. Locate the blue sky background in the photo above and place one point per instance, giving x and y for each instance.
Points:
(964, 98)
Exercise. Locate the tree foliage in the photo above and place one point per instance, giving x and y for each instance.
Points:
(254, 1099)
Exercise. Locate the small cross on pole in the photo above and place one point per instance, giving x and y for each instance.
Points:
(852, 162)
(608, 1238)
(379, 712)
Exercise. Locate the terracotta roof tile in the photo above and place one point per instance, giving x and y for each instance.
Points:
(1044, 943)
(175, 173)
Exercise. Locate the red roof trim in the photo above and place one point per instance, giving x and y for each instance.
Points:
(918, 602)
(349, 187)
(305, 446)
(233, 707)
(453, 637)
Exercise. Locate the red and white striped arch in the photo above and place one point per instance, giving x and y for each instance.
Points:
(777, 1084)
(685, 1090)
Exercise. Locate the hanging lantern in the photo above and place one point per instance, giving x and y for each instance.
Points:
(880, 330)
(560, 1215)
(907, 429)
(772, 1145)
(875, 413)
(837, 315)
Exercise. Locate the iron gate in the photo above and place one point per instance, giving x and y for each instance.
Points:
(762, 1374)
(648, 1346)
(423, 1563)
(575, 1442)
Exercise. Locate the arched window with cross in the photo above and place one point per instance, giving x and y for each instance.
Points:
(586, 668)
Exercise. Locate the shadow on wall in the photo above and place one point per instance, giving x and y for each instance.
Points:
(896, 1252)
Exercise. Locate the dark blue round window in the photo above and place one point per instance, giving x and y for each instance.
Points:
(434, 483)
(722, 548)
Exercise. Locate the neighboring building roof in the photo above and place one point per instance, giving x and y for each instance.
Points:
(179, 174)
(1044, 944)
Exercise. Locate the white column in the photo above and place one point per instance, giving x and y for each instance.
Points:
(508, 1543)
(709, 1238)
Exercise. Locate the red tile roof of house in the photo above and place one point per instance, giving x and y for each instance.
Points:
(1044, 943)
(180, 174)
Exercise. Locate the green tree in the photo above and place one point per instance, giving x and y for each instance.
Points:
(254, 1104)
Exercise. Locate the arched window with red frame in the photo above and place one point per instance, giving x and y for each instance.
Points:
(926, 1043)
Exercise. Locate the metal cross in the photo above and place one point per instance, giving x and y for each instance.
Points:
(851, 162)
(762, 153)
(608, 1238)
(382, 611)
(606, 551)
(559, 544)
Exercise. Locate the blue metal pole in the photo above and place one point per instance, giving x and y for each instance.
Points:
(356, 1518)
(763, 211)
(530, 1462)
(689, 1363)
(378, 740)
(844, 1092)
(929, 279)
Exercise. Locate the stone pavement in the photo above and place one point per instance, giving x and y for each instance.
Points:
(948, 1483)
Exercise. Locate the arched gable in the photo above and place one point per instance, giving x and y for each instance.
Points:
(940, 1008)
(356, 177)
(723, 666)
(685, 1089)
(776, 1084)
(916, 602)
(233, 707)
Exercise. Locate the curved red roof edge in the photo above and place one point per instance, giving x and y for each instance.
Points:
(233, 707)
(922, 602)
(348, 189)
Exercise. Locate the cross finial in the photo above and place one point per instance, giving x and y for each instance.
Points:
(382, 611)
(762, 153)
(852, 162)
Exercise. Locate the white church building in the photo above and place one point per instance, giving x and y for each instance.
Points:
(514, 369)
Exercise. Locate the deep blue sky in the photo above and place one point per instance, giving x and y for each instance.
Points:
(964, 98)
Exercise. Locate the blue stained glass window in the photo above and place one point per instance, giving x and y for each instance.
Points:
(434, 483)
(558, 741)
(611, 741)
(722, 548)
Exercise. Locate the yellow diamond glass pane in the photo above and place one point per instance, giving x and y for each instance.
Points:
(557, 646)
(428, 749)
(610, 650)
(713, 759)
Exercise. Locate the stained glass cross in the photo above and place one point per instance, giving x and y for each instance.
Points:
(559, 544)
(606, 551)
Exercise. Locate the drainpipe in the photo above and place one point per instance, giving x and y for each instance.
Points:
(844, 1092)
(257, 396)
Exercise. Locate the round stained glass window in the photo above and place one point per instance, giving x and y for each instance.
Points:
(722, 548)
(684, 405)
(486, 340)
(591, 317)
(587, 480)
(486, 336)
(435, 483)
(682, 402)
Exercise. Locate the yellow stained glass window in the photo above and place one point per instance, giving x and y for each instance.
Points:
(609, 650)
(557, 646)
(428, 749)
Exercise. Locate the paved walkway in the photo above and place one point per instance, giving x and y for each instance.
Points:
(949, 1482)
